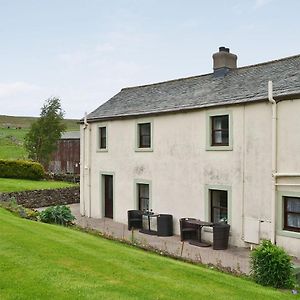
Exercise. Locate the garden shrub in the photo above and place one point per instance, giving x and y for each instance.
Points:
(21, 169)
(271, 266)
(20, 210)
(59, 214)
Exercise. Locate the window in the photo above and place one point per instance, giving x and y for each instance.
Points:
(218, 206)
(144, 135)
(143, 196)
(220, 130)
(102, 138)
(291, 213)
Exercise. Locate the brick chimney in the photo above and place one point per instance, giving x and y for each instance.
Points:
(224, 61)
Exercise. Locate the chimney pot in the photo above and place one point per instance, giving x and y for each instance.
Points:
(223, 49)
(223, 62)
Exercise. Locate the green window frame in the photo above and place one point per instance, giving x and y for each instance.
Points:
(142, 194)
(218, 205)
(144, 135)
(219, 130)
(291, 213)
(282, 226)
(102, 138)
(208, 188)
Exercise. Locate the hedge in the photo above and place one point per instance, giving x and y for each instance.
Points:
(21, 169)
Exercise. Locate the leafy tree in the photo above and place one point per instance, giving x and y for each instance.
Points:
(41, 140)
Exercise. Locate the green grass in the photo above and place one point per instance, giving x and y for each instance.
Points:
(12, 139)
(11, 143)
(42, 261)
(16, 185)
(25, 122)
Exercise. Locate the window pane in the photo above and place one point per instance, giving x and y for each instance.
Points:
(216, 215)
(145, 135)
(292, 213)
(145, 129)
(102, 139)
(220, 130)
(219, 205)
(293, 220)
(217, 123)
(224, 122)
(293, 204)
(103, 143)
(225, 137)
(145, 141)
(218, 137)
(143, 190)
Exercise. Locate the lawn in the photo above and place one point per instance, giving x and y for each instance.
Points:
(42, 261)
(16, 185)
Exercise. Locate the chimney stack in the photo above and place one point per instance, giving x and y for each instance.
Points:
(224, 61)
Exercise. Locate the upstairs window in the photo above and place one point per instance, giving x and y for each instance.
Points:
(144, 135)
(220, 130)
(102, 138)
(292, 213)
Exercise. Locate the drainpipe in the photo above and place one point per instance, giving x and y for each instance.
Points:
(82, 166)
(274, 160)
(87, 157)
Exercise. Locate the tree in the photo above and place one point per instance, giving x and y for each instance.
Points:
(41, 140)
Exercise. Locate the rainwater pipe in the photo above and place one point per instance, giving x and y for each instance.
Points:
(87, 168)
(274, 160)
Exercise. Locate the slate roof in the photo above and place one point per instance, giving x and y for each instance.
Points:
(245, 84)
(70, 135)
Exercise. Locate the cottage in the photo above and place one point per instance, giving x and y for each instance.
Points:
(219, 146)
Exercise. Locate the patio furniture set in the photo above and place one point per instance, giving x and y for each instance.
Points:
(190, 228)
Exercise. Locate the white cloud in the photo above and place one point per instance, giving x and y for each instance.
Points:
(16, 88)
(260, 3)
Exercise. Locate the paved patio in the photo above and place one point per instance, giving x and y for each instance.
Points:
(233, 259)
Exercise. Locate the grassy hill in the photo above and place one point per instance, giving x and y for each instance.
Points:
(25, 122)
(42, 261)
(12, 133)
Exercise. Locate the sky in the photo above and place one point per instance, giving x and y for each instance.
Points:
(84, 52)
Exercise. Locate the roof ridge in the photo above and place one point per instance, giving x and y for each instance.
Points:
(207, 74)
(165, 81)
(270, 61)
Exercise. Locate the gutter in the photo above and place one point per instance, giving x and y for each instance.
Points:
(274, 160)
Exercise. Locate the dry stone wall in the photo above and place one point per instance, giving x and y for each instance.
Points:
(42, 198)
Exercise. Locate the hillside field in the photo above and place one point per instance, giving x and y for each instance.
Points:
(13, 131)
(42, 261)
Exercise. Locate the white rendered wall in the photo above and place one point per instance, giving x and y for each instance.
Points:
(180, 168)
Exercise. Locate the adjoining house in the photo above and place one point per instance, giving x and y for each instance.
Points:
(66, 159)
(215, 146)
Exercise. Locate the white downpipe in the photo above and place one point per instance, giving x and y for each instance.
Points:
(274, 160)
(87, 165)
(82, 171)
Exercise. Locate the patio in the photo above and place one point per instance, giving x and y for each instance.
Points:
(233, 259)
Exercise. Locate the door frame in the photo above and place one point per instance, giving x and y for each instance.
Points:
(102, 192)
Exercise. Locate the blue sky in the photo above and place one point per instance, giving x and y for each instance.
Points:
(85, 51)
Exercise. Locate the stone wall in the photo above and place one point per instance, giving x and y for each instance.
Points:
(42, 198)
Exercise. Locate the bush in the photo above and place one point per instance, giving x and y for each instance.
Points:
(271, 266)
(21, 169)
(59, 214)
(20, 210)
